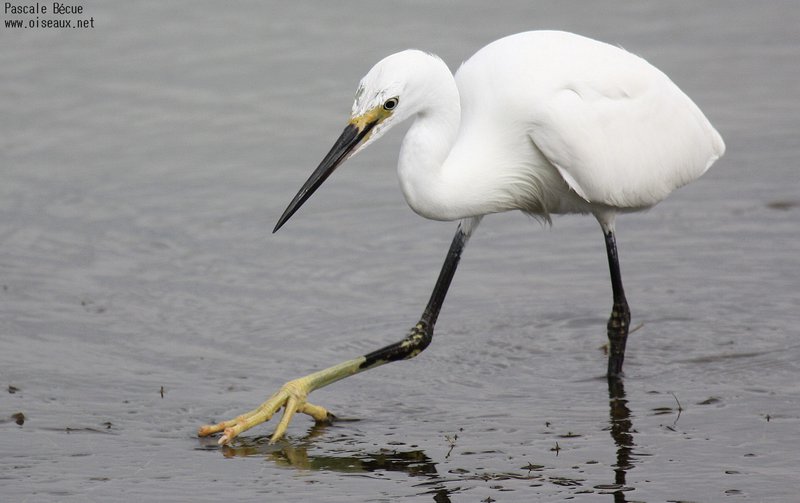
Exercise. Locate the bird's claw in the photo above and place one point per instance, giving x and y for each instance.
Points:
(292, 397)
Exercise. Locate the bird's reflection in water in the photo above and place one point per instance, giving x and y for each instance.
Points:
(415, 462)
(412, 462)
(621, 433)
(295, 454)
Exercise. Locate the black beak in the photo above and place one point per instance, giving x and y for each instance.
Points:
(348, 140)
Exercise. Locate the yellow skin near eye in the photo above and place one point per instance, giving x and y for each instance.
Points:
(376, 115)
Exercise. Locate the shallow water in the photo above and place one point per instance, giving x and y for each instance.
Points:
(145, 161)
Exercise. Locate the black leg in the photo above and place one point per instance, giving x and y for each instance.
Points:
(620, 314)
(293, 395)
(422, 333)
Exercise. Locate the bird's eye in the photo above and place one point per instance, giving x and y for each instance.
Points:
(391, 103)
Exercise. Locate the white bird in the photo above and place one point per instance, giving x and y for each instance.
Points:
(544, 122)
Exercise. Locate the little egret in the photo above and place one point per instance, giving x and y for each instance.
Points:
(544, 122)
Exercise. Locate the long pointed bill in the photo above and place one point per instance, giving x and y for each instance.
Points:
(350, 138)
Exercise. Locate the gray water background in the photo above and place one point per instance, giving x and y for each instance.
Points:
(144, 162)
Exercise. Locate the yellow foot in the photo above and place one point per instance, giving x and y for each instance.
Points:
(292, 396)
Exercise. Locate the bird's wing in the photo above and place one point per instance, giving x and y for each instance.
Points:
(627, 145)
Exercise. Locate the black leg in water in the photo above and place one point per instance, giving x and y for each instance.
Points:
(620, 318)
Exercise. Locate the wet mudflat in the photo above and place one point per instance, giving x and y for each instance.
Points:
(144, 162)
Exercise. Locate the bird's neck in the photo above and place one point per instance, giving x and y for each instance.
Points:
(425, 148)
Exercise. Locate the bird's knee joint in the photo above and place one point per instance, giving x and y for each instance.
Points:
(417, 340)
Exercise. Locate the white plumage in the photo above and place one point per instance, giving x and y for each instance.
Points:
(543, 122)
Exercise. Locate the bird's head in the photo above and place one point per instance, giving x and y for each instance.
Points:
(385, 96)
